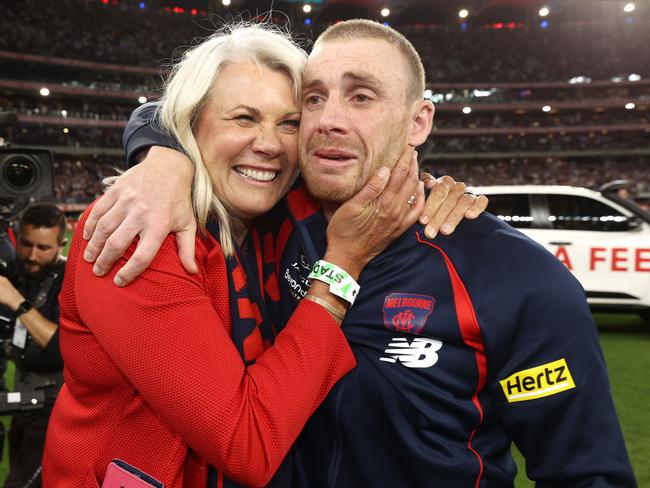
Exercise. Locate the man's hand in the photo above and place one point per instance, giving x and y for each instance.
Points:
(40, 328)
(150, 201)
(448, 203)
(9, 296)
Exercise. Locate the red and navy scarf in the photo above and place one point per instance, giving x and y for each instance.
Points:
(251, 276)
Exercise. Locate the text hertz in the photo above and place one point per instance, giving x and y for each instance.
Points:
(547, 379)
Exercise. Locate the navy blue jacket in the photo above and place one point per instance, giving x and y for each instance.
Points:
(464, 344)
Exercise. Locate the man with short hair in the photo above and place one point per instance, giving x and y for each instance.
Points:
(29, 290)
(464, 343)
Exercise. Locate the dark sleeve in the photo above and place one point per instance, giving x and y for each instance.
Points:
(142, 132)
(548, 379)
(47, 358)
(7, 251)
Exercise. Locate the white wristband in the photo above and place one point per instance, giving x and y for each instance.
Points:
(341, 284)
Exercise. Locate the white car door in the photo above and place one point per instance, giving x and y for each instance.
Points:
(601, 243)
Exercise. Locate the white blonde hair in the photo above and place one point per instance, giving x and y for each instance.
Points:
(188, 89)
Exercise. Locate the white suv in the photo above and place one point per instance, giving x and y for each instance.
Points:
(602, 238)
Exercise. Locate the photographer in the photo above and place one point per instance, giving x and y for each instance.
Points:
(29, 290)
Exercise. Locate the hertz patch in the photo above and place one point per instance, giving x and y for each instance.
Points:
(529, 384)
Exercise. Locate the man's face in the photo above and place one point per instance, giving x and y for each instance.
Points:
(37, 247)
(355, 115)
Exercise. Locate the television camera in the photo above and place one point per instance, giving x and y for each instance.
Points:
(25, 173)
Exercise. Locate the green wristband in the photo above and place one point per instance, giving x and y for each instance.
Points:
(341, 284)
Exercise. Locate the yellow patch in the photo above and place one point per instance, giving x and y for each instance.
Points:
(529, 384)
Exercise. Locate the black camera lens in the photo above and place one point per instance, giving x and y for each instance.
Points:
(19, 171)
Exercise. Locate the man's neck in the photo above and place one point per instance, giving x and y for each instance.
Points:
(329, 208)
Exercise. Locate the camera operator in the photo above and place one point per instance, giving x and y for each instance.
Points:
(29, 290)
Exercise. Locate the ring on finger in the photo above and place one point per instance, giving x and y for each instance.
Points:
(411, 200)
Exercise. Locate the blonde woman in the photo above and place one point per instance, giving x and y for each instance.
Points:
(178, 371)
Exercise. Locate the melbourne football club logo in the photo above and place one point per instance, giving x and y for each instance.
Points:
(406, 312)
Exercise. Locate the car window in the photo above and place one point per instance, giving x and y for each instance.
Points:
(571, 212)
(513, 209)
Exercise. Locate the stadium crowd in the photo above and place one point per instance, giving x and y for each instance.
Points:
(68, 107)
(72, 76)
(573, 118)
(124, 34)
(523, 93)
(79, 180)
(592, 141)
(93, 31)
(78, 137)
(560, 53)
(548, 171)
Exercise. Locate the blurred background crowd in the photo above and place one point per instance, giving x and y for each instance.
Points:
(521, 97)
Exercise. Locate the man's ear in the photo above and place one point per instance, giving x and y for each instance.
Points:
(421, 122)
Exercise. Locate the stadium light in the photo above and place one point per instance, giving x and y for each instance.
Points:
(634, 77)
(576, 80)
(544, 11)
(385, 12)
(428, 94)
(467, 110)
(44, 91)
(629, 7)
(630, 106)
(225, 3)
(306, 8)
(546, 108)
(66, 130)
(64, 113)
(463, 13)
(142, 99)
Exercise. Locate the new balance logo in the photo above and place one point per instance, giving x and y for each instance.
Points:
(419, 353)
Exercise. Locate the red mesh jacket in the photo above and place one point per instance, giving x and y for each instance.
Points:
(152, 377)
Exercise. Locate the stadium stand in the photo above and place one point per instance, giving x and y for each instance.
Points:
(545, 171)
(566, 102)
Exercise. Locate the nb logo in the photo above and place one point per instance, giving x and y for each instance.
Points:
(419, 353)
